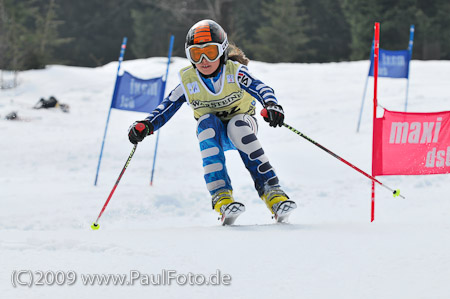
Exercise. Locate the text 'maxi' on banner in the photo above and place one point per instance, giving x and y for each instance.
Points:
(411, 143)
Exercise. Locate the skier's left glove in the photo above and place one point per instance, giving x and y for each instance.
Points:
(275, 115)
(135, 135)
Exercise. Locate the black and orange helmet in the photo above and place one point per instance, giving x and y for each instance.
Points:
(207, 31)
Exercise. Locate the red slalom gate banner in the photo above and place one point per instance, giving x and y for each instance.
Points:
(411, 143)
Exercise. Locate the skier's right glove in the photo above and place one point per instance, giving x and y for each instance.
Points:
(137, 132)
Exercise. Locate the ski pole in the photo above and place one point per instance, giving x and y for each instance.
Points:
(394, 192)
(95, 225)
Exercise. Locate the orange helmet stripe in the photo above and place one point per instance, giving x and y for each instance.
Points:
(202, 34)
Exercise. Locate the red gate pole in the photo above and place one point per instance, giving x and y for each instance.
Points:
(375, 104)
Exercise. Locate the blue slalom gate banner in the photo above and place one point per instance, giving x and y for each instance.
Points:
(391, 64)
(135, 94)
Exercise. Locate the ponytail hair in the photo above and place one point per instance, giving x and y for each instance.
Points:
(236, 54)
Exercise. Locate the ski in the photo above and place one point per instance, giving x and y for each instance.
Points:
(283, 210)
(231, 212)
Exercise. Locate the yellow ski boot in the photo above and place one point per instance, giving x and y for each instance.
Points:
(278, 203)
(224, 204)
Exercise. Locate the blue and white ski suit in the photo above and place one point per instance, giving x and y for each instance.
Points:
(223, 107)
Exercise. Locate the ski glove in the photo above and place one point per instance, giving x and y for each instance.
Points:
(135, 135)
(275, 115)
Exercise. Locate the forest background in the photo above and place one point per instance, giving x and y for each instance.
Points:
(36, 33)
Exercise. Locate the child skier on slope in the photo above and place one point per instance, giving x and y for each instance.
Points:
(222, 92)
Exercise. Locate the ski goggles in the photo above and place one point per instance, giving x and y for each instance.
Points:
(209, 51)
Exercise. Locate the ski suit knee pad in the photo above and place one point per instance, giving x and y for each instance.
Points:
(242, 130)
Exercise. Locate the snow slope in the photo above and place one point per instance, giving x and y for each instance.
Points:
(330, 249)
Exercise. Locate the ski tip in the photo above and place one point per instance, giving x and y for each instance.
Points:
(232, 211)
(95, 226)
(284, 211)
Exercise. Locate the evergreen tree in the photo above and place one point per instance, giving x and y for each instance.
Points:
(443, 19)
(46, 33)
(329, 32)
(29, 33)
(283, 36)
(361, 15)
(155, 20)
(433, 29)
(247, 18)
(18, 35)
(96, 28)
(3, 35)
(151, 31)
(34, 33)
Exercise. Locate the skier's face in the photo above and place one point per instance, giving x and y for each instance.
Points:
(207, 68)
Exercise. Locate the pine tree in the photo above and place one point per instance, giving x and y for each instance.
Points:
(16, 35)
(247, 18)
(361, 15)
(283, 37)
(330, 31)
(47, 34)
(151, 32)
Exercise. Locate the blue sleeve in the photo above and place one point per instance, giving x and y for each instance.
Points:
(255, 87)
(168, 107)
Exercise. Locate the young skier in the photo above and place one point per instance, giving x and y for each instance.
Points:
(222, 93)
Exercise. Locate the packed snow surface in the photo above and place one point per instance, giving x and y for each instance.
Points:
(330, 249)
